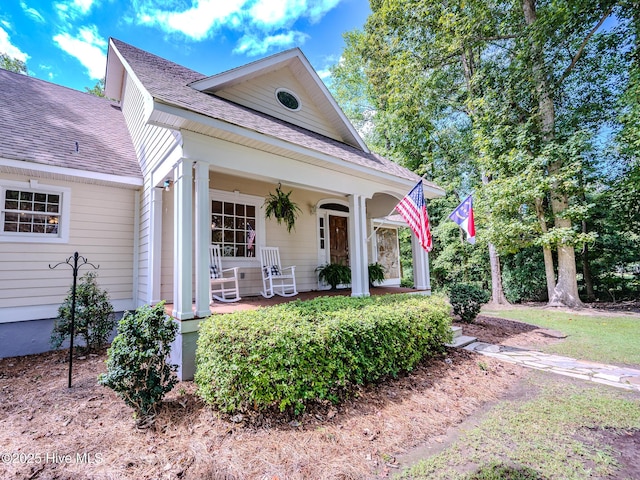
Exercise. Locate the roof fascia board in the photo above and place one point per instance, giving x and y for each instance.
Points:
(147, 97)
(22, 165)
(249, 70)
(276, 142)
(270, 63)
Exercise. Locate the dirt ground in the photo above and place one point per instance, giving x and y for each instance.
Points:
(48, 431)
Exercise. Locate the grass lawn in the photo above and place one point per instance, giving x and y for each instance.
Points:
(599, 338)
(569, 430)
(556, 427)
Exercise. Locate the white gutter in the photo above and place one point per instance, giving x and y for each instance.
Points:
(28, 167)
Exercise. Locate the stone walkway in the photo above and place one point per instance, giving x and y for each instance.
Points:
(627, 378)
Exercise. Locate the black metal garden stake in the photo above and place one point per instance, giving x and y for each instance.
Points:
(75, 268)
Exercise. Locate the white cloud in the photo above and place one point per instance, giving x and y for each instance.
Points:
(73, 8)
(204, 18)
(317, 9)
(196, 22)
(324, 74)
(32, 12)
(88, 47)
(272, 13)
(252, 46)
(8, 48)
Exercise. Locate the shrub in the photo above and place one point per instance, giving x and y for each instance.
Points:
(334, 274)
(376, 273)
(467, 300)
(137, 363)
(286, 356)
(94, 318)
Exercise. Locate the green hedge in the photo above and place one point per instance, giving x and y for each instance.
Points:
(285, 356)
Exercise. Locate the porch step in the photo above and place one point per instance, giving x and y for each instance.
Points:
(460, 340)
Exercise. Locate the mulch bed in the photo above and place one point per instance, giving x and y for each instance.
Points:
(48, 431)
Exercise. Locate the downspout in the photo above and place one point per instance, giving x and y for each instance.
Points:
(136, 248)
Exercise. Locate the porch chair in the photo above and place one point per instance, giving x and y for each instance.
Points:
(276, 279)
(223, 286)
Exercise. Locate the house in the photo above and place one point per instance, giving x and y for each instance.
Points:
(69, 181)
(208, 150)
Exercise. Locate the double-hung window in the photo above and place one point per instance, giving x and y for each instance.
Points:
(31, 212)
(236, 223)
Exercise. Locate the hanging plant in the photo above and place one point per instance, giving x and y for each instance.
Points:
(280, 206)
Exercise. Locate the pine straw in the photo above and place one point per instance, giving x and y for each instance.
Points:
(358, 439)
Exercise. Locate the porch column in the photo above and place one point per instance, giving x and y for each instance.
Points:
(358, 246)
(155, 245)
(203, 239)
(421, 277)
(182, 240)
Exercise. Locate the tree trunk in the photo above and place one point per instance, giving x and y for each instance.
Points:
(497, 292)
(565, 292)
(549, 269)
(586, 268)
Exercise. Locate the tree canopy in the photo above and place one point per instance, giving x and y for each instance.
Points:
(531, 105)
(13, 64)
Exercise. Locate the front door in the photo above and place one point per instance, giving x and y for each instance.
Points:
(338, 240)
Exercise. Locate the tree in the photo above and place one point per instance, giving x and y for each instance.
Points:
(97, 89)
(422, 95)
(528, 82)
(13, 64)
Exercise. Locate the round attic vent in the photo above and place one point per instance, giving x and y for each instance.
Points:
(288, 99)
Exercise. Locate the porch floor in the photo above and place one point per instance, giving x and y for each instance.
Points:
(252, 303)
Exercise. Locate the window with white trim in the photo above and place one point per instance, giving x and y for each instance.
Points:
(235, 224)
(33, 212)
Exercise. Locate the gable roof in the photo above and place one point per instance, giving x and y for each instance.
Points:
(175, 102)
(299, 65)
(50, 125)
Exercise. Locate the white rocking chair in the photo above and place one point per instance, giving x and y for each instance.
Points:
(276, 279)
(222, 285)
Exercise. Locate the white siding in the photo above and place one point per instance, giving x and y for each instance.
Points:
(152, 145)
(101, 229)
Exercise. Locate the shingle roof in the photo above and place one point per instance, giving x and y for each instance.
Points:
(168, 83)
(42, 122)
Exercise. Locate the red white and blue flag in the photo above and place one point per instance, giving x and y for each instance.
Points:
(463, 216)
(414, 211)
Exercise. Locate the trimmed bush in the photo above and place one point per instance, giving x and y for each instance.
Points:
(94, 320)
(286, 356)
(467, 300)
(138, 368)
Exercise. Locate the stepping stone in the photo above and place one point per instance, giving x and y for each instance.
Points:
(461, 341)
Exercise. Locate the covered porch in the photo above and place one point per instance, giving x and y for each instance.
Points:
(254, 302)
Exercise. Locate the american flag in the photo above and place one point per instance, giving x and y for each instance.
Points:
(414, 211)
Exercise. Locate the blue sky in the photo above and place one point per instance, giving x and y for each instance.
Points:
(65, 41)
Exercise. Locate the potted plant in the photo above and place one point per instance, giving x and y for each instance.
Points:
(280, 206)
(334, 274)
(376, 273)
